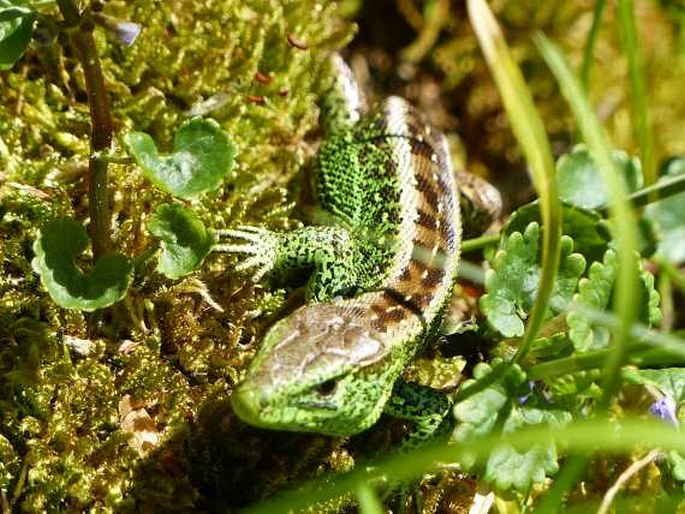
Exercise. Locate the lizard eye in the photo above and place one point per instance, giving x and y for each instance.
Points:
(327, 388)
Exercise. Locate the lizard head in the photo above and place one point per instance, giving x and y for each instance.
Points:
(317, 371)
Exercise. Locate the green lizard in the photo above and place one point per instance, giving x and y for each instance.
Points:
(382, 269)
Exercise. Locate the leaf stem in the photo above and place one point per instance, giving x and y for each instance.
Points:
(101, 127)
(143, 257)
(640, 354)
(476, 243)
(664, 188)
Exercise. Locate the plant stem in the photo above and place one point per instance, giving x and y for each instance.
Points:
(140, 259)
(476, 243)
(570, 474)
(639, 355)
(673, 273)
(663, 189)
(530, 133)
(101, 127)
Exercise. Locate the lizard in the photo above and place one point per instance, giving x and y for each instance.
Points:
(383, 267)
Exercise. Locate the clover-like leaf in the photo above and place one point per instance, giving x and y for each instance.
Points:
(580, 183)
(596, 292)
(57, 246)
(508, 405)
(575, 387)
(16, 27)
(513, 282)
(477, 415)
(650, 310)
(203, 157)
(668, 216)
(184, 239)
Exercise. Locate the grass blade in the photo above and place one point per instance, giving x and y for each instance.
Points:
(625, 235)
(589, 53)
(531, 136)
(620, 208)
(581, 438)
(641, 124)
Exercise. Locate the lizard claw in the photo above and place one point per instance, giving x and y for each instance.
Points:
(261, 245)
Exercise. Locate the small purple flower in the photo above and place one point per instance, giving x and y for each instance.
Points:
(125, 31)
(524, 399)
(664, 409)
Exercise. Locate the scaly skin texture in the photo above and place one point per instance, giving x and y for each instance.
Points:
(331, 366)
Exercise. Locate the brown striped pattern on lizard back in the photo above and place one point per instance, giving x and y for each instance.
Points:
(425, 265)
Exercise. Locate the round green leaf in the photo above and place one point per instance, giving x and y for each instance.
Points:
(596, 292)
(185, 240)
(580, 182)
(203, 157)
(16, 27)
(668, 216)
(58, 244)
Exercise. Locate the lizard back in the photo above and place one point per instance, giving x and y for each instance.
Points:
(389, 180)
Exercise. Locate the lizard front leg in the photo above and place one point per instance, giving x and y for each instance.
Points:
(328, 252)
(427, 408)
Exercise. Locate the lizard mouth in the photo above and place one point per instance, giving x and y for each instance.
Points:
(318, 404)
(248, 405)
(253, 407)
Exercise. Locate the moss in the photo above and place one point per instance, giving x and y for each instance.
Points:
(62, 446)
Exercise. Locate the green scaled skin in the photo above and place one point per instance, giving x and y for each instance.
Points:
(383, 268)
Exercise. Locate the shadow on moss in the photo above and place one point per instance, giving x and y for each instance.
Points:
(217, 464)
